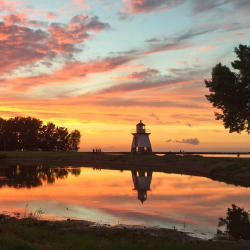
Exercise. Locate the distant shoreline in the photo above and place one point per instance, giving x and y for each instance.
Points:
(227, 169)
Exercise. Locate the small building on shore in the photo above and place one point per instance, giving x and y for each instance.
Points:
(141, 142)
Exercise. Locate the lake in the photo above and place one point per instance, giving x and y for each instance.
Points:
(139, 197)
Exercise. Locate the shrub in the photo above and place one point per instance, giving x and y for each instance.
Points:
(237, 223)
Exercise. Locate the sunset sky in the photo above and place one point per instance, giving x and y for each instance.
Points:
(100, 66)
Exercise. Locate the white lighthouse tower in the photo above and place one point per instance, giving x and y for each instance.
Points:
(141, 142)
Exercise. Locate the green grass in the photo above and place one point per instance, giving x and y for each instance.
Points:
(32, 234)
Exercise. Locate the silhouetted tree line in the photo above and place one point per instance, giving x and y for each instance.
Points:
(33, 176)
(27, 133)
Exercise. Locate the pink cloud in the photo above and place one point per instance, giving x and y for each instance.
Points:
(82, 4)
(240, 34)
(145, 6)
(50, 15)
(166, 47)
(23, 46)
(171, 70)
(182, 62)
(139, 75)
(6, 6)
(77, 29)
(149, 84)
(14, 19)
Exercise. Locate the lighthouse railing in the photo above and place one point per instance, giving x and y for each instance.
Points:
(133, 131)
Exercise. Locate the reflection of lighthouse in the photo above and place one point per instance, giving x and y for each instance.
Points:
(142, 180)
(141, 142)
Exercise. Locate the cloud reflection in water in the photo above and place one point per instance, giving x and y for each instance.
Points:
(110, 196)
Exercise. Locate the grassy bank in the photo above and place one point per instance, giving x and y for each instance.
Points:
(230, 170)
(33, 234)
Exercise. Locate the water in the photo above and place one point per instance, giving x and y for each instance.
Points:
(188, 203)
(226, 155)
(218, 155)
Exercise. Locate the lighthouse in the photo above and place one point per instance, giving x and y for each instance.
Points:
(141, 142)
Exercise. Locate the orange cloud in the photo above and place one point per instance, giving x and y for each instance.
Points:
(206, 48)
(69, 71)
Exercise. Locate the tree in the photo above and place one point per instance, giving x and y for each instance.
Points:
(62, 136)
(237, 223)
(10, 135)
(27, 133)
(74, 140)
(2, 138)
(48, 137)
(230, 91)
(28, 130)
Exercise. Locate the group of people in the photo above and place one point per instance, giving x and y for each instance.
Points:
(97, 150)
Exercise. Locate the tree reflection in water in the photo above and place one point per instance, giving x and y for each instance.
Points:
(27, 177)
(33, 176)
(142, 180)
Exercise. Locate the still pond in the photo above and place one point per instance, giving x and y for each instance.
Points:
(187, 203)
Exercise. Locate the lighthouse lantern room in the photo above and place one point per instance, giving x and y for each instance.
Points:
(141, 142)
